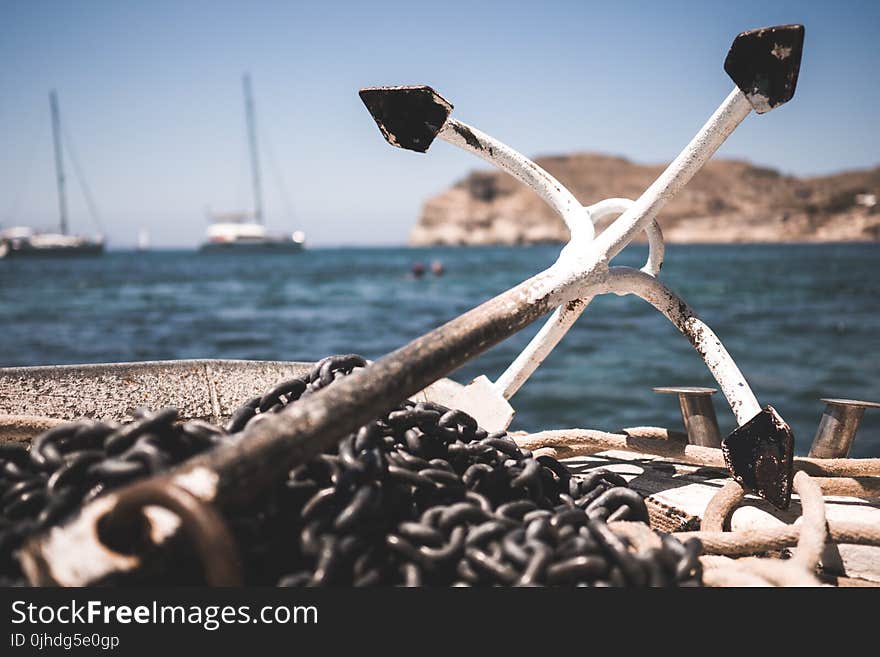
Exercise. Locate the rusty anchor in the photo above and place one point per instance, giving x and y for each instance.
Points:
(758, 452)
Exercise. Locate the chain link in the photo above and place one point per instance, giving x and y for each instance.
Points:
(419, 497)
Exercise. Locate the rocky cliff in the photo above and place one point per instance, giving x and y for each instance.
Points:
(728, 201)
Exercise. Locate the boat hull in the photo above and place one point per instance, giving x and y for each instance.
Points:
(27, 250)
(252, 247)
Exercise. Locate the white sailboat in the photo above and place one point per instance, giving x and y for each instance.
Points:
(143, 242)
(241, 232)
(24, 241)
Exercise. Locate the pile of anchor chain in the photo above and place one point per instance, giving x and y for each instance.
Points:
(73, 463)
(420, 497)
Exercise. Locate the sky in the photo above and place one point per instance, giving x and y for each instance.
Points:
(150, 96)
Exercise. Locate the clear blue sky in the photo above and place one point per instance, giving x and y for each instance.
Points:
(150, 92)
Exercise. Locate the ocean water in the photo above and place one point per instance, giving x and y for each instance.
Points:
(802, 322)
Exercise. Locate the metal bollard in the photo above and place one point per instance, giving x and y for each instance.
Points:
(698, 414)
(838, 426)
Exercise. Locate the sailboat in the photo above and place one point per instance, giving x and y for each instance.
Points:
(24, 241)
(143, 241)
(243, 232)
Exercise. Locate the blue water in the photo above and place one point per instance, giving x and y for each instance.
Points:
(803, 322)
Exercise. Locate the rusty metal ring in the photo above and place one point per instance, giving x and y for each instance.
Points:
(200, 522)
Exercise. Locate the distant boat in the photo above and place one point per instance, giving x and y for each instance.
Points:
(241, 232)
(24, 241)
(143, 243)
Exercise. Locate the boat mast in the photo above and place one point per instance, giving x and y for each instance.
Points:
(252, 139)
(59, 161)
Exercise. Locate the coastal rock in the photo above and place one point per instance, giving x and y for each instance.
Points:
(728, 201)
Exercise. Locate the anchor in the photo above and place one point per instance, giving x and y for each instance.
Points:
(764, 65)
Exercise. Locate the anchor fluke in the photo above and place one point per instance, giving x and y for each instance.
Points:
(409, 116)
(765, 63)
(760, 456)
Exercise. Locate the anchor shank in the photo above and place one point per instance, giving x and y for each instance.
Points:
(237, 473)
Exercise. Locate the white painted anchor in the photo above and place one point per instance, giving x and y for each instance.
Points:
(408, 118)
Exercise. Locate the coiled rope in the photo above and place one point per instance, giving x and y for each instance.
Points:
(730, 557)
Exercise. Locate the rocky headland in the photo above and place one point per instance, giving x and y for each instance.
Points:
(728, 201)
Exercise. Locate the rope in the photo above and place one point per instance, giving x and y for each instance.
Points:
(279, 179)
(809, 536)
(562, 445)
(568, 443)
(838, 467)
(798, 571)
(81, 179)
(770, 539)
(722, 572)
(752, 571)
(811, 532)
(721, 507)
(841, 477)
(849, 486)
(749, 571)
(814, 531)
(661, 442)
(642, 537)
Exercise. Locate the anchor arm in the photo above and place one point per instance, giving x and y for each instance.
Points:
(412, 117)
(759, 452)
(764, 64)
(739, 395)
(511, 161)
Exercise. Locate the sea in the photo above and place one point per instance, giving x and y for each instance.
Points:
(801, 321)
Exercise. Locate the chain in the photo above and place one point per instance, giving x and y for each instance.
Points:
(419, 497)
(71, 464)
